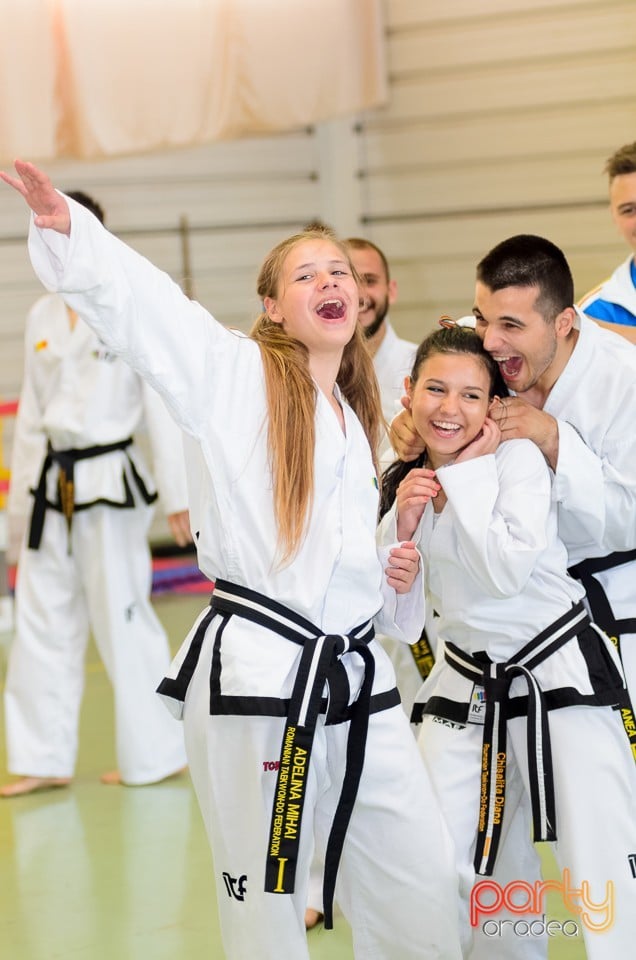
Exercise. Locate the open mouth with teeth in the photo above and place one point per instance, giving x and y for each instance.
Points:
(331, 309)
(445, 429)
(510, 366)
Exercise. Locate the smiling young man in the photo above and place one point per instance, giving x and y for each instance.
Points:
(529, 326)
(613, 303)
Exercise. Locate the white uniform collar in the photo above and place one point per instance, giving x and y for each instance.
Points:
(389, 338)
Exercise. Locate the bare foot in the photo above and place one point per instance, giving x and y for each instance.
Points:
(32, 785)
(114, 777)
(313, 918)
(111, 777)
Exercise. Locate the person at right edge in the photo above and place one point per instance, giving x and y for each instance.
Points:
(613, 302)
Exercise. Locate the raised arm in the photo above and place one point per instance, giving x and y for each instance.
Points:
(50, 207)
(135, 308)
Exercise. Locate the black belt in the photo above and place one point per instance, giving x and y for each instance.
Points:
(496, 679)
(66, 460)
(319, 664)
(602, 612)
(603, 616)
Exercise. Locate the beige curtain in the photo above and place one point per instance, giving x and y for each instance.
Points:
(98, 78)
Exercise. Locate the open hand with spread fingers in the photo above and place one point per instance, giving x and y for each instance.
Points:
(34, 185)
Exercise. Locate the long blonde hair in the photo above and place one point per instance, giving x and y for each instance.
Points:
(291, 398)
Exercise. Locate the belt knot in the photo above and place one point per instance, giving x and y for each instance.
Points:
(496, 679)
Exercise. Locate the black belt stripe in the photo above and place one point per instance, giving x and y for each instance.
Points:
(496, 679)
(66, 460)
(599, 564)
(222, 704)
(603, 616)
(556, 699)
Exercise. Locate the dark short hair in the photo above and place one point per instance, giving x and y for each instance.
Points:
(529, 261)
(459, 340)
(621, 161)
(80, 197)
(360, 243)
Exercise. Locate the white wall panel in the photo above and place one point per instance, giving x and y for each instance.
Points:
(487, 89)
(557, 132)
(406, 13)
(512, 37)
(573, 229)
(522, 183)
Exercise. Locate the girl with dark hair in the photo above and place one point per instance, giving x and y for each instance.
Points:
(447, 340)
(519, 712)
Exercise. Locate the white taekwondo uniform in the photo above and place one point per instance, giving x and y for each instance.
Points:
(78, 396)
(397, 855)
(594, 403)
(496, 571)
(393, 361)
